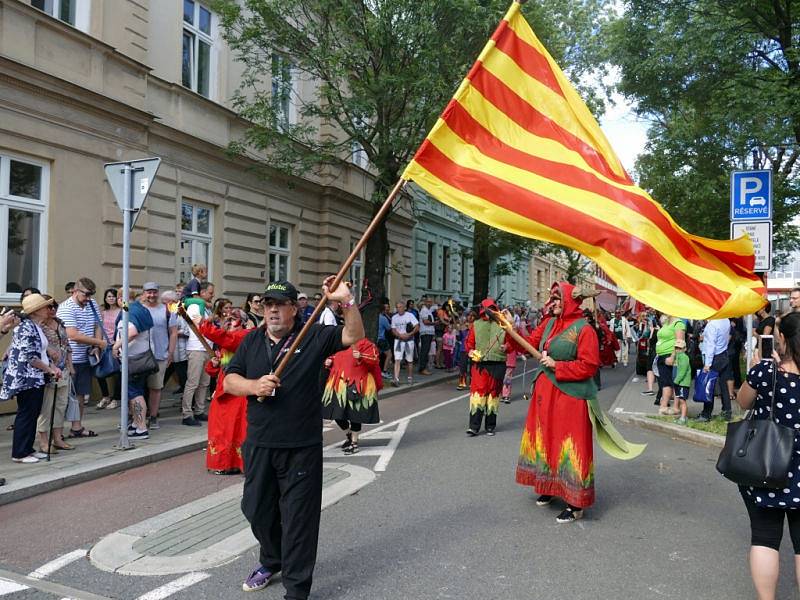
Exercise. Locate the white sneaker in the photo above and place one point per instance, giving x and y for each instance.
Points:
(103, 403)
(27, 460)
(112, 405)
(40, 455)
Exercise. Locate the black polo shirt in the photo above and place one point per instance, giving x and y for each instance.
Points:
(293, 417)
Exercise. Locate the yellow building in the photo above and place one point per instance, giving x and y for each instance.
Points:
(85, 82)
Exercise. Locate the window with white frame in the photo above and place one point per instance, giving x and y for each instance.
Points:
(197, 46)
(279, 251)
(196, 236)
(284, 82)
(23, 225)
(357, 273)
(72, 12)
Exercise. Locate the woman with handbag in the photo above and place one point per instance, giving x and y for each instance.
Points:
(772, 390)
(27, 367)
(141, 364)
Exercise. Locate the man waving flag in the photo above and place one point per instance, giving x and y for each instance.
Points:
(518, 149)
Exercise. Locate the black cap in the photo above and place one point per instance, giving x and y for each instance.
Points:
(280, 290)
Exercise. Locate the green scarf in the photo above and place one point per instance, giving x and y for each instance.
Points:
(565, 347)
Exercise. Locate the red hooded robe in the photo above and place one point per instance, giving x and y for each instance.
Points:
(556, 455)
(227, 415)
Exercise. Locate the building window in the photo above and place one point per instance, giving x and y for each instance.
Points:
(283, 88)
(445, 268)
(196, 235)
(359, 155)
(23, 223)
(431, 258)
(357, 273)
(196, 49)
(279, 252)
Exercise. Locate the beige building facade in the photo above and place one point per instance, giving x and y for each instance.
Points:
(86, 82)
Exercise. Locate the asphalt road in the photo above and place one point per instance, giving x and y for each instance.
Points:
(444, 520)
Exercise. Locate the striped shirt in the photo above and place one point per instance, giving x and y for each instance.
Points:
(82, 319)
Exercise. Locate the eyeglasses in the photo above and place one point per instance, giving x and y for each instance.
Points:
(85, 293)
(256, 300)
(53, 306)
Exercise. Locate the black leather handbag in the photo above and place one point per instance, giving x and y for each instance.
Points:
(144, 364)
(758, 452)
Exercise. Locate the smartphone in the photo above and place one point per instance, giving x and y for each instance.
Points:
(767, 347)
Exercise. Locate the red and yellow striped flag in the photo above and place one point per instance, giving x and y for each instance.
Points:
(517, 148)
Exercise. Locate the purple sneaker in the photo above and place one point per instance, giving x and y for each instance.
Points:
(258, 580)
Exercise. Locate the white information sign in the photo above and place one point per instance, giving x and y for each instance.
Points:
(760, 233)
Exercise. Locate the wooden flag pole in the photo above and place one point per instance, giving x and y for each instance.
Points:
(501, 320)
(379, 216)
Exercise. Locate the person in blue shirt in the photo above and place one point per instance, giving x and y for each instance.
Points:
(384, 327)
(303, 308)
(716, 337)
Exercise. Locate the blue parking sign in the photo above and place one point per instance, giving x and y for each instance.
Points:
(751, 196)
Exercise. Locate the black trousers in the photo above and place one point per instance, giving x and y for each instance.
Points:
(344, 425)
(424, 351)
(29, 405)
(282, 501)
(721, 366)
(766, 524)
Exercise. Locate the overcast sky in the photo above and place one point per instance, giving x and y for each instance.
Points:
(626, 133)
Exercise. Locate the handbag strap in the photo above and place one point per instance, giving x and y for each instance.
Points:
(99, 322)
(752, 411)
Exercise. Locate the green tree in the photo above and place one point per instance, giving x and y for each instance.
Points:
(720, 82)
(382, 70)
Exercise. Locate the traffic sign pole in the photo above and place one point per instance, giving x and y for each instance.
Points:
(130, 182)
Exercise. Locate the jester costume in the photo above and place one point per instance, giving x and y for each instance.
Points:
(227, 415)
(486, 347)
(351, 390)
(556, 455)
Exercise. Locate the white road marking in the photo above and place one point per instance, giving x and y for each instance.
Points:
(173, 587)
(384, 453)
(419, 413)
(388, 452)
(9, 587)
(54, 565)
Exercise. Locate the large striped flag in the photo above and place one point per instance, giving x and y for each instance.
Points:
(517, 148)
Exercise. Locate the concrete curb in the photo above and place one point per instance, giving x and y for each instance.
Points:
(123, 461)
(420, 381)
(703, 438)
(640, 419)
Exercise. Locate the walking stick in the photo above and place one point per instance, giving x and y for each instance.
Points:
(52, 418)
(379, 216)
(524, 372)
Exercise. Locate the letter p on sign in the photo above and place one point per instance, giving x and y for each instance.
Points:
(748, 186)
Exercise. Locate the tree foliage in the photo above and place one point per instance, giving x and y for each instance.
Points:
(720, 82)
(381, 72)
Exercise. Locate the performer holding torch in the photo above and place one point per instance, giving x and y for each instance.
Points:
(556, 455)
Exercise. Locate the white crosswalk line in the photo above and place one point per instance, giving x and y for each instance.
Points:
(9, 587)
(388, 451)
(173, 587)
(54, 565)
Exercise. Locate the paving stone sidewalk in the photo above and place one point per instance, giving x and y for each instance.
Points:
(97, 457)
